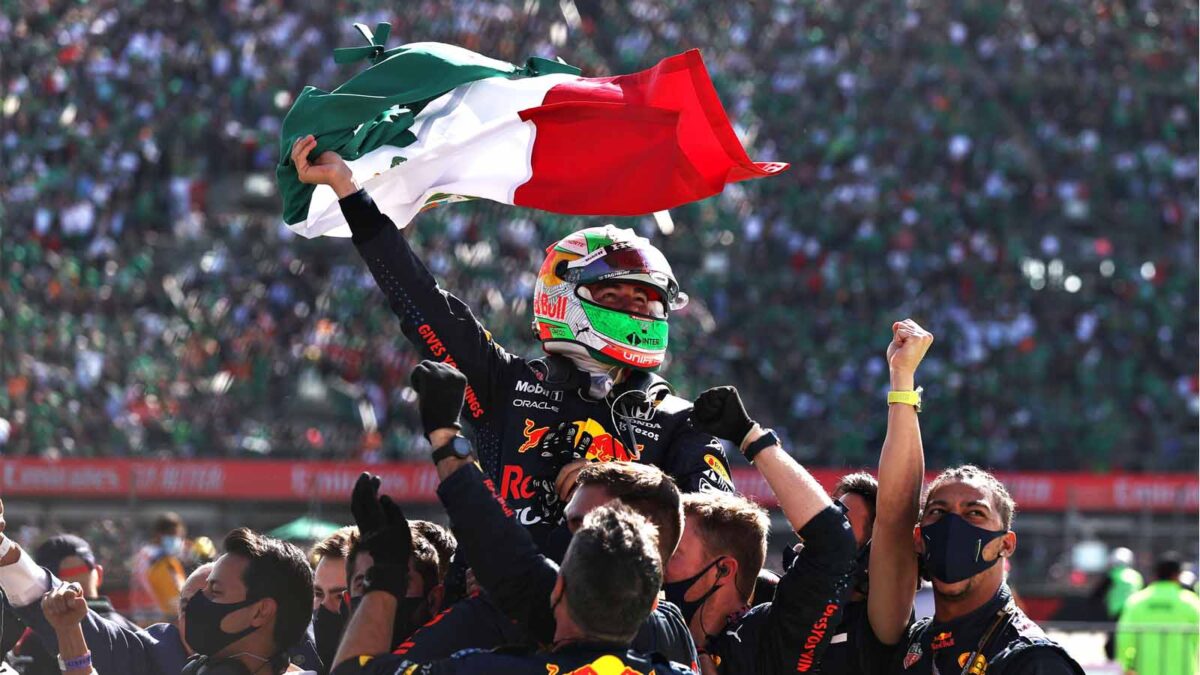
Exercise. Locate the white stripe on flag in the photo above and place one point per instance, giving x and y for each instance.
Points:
(470, 142)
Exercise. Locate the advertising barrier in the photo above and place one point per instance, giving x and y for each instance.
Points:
(416, 482)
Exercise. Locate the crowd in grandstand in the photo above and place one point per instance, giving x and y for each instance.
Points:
(1026, 177)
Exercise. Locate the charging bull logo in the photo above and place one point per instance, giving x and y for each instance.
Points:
(942, 641)
(600, 444)
(605, 665)
(532, 436)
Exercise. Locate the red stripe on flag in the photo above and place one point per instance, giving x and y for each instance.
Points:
(634, 144)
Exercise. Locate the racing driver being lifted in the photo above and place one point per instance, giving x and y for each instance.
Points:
(600, 308)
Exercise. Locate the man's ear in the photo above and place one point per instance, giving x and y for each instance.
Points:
(1008, 544)
(264, 612)
(99, 575)
(918, 540)
(727, 568)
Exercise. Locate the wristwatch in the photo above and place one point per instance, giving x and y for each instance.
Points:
(457, 447)
(766, 440)
(912, 398)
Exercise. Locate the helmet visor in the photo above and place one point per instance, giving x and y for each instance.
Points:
(627, 262)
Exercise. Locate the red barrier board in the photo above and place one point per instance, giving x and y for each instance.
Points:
(416, 482)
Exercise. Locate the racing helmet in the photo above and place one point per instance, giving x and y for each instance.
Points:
(568, 321)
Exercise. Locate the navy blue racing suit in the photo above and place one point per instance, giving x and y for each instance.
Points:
(790, 633)
(510, 403)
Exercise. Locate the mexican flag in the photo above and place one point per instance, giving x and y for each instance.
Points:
(430, 123)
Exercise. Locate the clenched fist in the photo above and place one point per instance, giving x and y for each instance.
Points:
(908, 347)
(65, 606)
(719, 411)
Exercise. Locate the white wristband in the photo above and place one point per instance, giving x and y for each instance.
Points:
(6, 545)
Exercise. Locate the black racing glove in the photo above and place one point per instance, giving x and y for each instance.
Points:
(440, 388)
(385, 535)
(364, 504)
(558, 448)
(719, 411)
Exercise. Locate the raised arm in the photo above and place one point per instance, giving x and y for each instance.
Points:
(387, 537)
(901, 471)
(809, 597)
(719, 412)
(438, 324)
(501, 552)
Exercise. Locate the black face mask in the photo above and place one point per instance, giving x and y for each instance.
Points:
(954, 549)
(327, 631)
(203, 628)
(410, 615)
(676, 590)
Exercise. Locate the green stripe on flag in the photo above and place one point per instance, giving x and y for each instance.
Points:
(376, 107)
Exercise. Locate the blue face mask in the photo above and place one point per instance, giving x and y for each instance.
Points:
(172, 545)
(954, 549)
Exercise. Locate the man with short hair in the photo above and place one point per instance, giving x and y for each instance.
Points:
(158, 572)
(329, 570)
(606, 587)
(712, 575)
(1159, 629)
(256, 604)
(443, 542)
(964, 531)
(857, 492)
(330, 589)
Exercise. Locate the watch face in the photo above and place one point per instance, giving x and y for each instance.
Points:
(461, 447)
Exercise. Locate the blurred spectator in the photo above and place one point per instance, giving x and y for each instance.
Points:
(1159, 630)
(158, 573)
(1029, 177)
(1120, 582)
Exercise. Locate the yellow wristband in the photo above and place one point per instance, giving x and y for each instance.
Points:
(912, 398)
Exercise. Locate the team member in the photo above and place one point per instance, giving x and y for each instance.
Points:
(965, 530)
(600, 306)
(712, 575)
(1158, 630)
(330, 589)
(255, 605)
(607, 586)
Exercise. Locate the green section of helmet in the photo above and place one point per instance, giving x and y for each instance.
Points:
(558, 331)
(644, 334)
(596, 240)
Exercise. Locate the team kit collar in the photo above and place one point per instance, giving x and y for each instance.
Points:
(957, 636)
